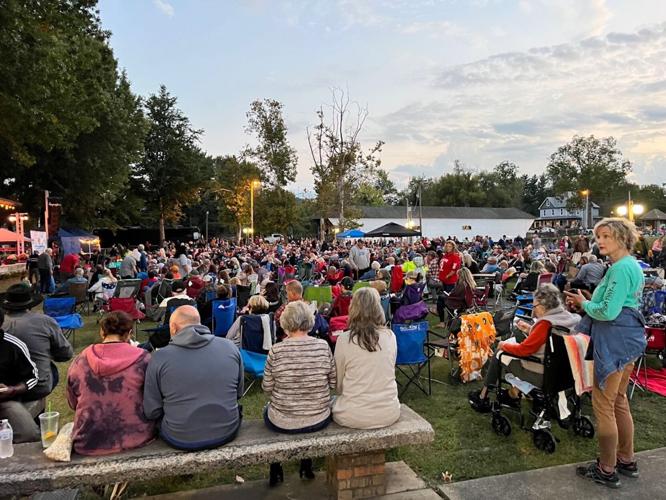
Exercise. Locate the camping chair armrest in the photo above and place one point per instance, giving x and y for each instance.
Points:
(438, 335)
(534, 359)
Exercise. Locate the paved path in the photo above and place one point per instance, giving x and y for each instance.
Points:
(561, 483)
(402, 483)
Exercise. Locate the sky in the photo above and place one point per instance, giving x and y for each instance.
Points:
(480, 81)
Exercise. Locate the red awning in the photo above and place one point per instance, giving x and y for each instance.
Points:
(7, 236)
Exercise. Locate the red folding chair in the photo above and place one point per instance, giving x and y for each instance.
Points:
(127, 305)
(656, 345)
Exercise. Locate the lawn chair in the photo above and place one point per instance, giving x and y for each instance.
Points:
(224, 315)
(656, 345)
(413, 355)
(253, 342)
(386, 305)
(319, 294)
(544, 279)
(80, 292)
(127, 289)
(360, 284)
(128, 305)
(63, 310)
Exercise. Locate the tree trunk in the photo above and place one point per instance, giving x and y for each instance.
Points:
(341, 216)
(322, 228)
(162, 232)
(240, 233)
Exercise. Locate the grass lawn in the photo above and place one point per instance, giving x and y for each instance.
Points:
(465, 445)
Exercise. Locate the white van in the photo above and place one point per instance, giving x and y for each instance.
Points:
(273, 238)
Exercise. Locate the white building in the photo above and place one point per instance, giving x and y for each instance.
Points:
(553, 212)
(461, 222)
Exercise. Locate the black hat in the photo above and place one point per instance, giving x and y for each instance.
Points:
(20, 297)
(178, 286)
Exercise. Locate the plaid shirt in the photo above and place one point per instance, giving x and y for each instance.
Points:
(433, 270)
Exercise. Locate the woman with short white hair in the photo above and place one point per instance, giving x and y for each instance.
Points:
(298, 377)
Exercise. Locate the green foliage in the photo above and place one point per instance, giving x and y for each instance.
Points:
(588, 163)
(55, 66)
(273, 154)
(173, 170)
(536, 188)
(276, 211)
(69, 121)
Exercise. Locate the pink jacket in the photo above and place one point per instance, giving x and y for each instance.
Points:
(105, 388)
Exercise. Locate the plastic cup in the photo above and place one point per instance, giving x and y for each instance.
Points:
(48, 424)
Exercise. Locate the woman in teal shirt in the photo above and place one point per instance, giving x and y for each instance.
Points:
(617, 329)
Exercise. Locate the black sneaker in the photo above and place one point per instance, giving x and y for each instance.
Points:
(629, 470)
(482, 405)
(594, 473)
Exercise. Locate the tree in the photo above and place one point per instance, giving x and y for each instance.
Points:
(273, 154)
(173, 169)
(339, 162)
(276, 211)
(231, 186)
(536, 188)
(69, 121)
(588, 163)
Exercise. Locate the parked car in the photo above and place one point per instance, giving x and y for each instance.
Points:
(274, 238)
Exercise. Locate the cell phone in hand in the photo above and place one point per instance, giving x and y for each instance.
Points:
(4, 388)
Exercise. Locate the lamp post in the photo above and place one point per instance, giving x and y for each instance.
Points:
(586, 219)
(253, 184)
(207, 212)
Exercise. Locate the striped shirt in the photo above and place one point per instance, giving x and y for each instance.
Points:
(299, 375)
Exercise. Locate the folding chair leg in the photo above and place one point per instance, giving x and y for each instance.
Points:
(248, 387)
(635, 381)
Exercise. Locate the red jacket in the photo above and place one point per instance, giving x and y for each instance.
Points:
(450, 262)
(397, 278)
(69, 263)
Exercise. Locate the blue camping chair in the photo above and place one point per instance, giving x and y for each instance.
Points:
(62, 310)
(252, 346)
(413, 354)
(224, 314)
(386, 305)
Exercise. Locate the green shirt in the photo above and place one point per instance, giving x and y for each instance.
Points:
(622, 286)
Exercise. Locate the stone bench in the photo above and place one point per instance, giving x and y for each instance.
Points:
(355, 458)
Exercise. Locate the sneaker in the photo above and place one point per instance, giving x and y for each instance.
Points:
(482, 405)
(594, 473)
(629, 470)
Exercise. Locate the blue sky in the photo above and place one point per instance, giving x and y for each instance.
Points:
(481, 81)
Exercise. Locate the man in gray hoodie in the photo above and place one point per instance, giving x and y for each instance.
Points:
(193, 385)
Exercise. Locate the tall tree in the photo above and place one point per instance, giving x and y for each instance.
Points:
(588, 163)
(339, 162)
(231, 186)
(173, 169)
(536, 188)
(273, 153)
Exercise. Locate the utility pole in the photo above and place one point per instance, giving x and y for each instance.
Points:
(207, 226)
(46, 215)
(420, 209)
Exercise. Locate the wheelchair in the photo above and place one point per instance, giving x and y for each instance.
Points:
(558, 378)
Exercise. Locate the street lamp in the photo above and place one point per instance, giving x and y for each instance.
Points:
(586, 219)
(207, 212)
(253, 184)
(630, 210)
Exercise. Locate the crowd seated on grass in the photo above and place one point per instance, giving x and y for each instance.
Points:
(198, 409)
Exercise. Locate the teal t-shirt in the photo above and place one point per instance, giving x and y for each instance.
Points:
(622, 286)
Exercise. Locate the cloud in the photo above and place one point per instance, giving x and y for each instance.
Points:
(522, 105)
(166, 8)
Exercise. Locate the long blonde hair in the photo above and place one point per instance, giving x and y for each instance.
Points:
(465, 275)
(366, 316)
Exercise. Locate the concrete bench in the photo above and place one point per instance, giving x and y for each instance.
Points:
(355, 458)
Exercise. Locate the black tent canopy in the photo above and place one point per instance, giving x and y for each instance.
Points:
(392, 230)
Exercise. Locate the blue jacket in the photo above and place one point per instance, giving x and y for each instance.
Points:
(616, 343)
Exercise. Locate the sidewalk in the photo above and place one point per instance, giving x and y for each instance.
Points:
(561, 483)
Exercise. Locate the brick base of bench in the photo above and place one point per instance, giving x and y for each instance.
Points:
(356, 476)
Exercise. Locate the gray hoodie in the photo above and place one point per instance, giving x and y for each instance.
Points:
(193, 385)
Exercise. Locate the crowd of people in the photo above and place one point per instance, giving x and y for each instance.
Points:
(125, 395)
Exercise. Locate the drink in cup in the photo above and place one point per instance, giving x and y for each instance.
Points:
(48, 424)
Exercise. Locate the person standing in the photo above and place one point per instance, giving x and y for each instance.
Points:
(449, 264)
(618, 338)
(128, 266)
(45, 266)
(359, 256)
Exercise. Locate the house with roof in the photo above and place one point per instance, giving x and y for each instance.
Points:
(461, 222)
(554, 212)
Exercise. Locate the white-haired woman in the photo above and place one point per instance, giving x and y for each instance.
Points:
(365, 359)
(299, 375)
(618, 338)
(256, 305)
